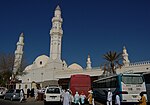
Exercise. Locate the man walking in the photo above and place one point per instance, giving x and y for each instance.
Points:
(21, 95)
(109, 97)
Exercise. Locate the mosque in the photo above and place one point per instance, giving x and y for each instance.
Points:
(46, 70)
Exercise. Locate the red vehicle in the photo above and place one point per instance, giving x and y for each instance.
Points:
(79, 83)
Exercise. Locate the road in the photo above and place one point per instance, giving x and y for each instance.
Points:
(27, 102)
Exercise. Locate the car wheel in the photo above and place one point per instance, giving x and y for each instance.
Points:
(11, 99)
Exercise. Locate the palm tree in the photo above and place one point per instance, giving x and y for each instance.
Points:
(112, 63)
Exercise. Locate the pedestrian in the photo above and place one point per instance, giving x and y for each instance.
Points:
(21, 95)
(28, 93)
(76, 98)
(71, 97)
(36, 94)
(117, 100)
(32, 92)
(109, 97)
(82, 97)
(142, 100)
(90, 97)
(66, 98)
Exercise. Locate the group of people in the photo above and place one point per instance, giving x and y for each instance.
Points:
(142, 101)
(77, 99)
(109, 98)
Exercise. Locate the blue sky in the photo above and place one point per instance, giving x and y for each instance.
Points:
(90, 27)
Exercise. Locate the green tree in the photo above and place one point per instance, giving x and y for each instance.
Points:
(112, 62)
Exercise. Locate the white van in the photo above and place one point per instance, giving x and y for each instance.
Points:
(52, 95)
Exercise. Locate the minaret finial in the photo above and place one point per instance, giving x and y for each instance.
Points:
(58, 11)
(58, 7)
(88, 62)
(125, 57)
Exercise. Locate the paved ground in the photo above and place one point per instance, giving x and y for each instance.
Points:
(28, 101)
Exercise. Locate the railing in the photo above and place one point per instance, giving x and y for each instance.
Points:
(139, 63)
(93, 68)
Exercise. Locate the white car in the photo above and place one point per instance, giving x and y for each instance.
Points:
(52, 95)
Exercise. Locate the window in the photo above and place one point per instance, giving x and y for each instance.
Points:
(40, 62)
(132, 79)
(53, 90)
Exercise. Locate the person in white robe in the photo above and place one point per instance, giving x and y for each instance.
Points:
(117, 100)
(76, 98)
(109, 97)
(21, 95)
(66, 98)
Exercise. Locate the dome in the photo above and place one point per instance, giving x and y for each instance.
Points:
(41, 60)
(28, 68)
(75, 66)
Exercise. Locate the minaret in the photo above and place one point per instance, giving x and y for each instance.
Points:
(18, 54)
(88, 62)
(56, 34)
(125, 57)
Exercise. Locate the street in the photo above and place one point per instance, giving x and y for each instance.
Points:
(27, 102)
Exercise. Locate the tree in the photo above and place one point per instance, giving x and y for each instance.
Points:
(6, 67)
(112, 62)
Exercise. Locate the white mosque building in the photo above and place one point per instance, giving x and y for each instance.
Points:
(47, 70)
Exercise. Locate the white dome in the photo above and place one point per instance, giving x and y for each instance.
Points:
(75, 66)
(41, 60)
(28, 68)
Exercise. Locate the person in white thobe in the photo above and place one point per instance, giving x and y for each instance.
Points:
(117, 100)
(36, 94)
(76, 98)
(66, 98)
(109, 97)
(21, 95)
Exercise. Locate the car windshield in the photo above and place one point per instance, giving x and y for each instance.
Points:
(53, 90)
(17, 91)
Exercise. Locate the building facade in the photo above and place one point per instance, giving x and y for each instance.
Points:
(48, 70)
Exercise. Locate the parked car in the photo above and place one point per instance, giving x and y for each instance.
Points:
(52, 95)
(2, 91)
(13, 94)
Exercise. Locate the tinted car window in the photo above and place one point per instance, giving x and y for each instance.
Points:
(11, 91)
(53, 90)
(17, 91)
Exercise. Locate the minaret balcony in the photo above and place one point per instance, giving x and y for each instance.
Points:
(53, 31)
(57, 19)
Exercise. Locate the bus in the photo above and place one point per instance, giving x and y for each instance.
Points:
(147, 83)
(128, 86)
(79, 83)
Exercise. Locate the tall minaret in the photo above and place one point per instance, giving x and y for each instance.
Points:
(18, 54)
(125, 57)
(56, 34)
(88, 63)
